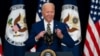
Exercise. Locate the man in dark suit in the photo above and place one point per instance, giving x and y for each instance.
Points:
(56, 28)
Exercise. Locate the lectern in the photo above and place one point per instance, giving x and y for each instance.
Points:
(57, 53)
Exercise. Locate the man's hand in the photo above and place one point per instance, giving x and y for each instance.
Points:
(59, 33)
(41, 34)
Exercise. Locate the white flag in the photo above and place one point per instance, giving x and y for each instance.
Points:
(70, 17)
(16, 28)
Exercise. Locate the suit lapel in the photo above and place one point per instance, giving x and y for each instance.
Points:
(42, 25)
(55, 26)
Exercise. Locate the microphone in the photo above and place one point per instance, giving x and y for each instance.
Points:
(48, 38)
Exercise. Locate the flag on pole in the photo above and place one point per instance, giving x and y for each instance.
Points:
(1, 54)
(70, 17)
(16, 30)
(92, 41)
(39, 17)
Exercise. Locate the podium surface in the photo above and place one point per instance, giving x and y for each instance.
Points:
(57, 54)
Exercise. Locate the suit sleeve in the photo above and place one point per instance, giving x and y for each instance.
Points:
(31, 41)
(67, 39)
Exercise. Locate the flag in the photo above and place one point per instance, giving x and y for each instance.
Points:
(92, 40)
(16, 30)
(70, 17)
(39, 10)
(1, 48)
(39, 17)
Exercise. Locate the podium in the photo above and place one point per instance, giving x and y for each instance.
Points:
(57, 53)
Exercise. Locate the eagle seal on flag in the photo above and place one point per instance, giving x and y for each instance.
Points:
(71, 18)
(16, 29)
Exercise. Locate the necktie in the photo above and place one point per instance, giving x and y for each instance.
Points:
(48, 29)
(49, 38)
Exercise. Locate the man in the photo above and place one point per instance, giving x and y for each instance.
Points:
(58, 30)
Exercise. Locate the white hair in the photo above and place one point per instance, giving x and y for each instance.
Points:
(46, 4)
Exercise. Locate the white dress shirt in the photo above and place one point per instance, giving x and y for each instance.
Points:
(51, 25)
(45, 26)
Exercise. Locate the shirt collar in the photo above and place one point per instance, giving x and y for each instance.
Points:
(51, 23)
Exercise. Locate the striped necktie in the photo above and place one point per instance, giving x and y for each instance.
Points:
(48, 29)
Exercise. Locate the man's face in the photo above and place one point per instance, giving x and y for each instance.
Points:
(48, 13)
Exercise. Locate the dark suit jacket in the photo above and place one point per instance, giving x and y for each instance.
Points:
(56, 45)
